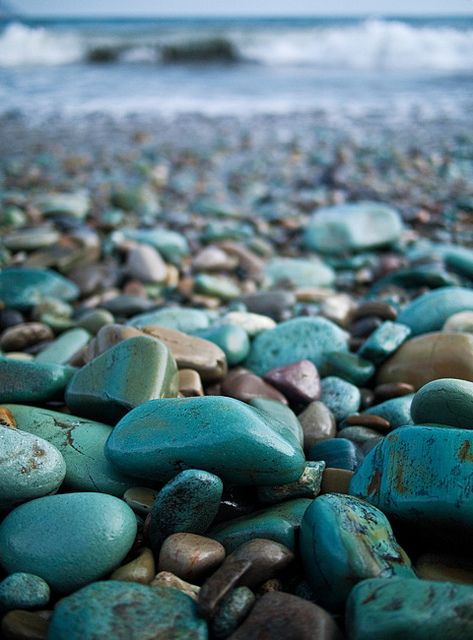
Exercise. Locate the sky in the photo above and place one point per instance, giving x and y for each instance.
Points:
(242, 7)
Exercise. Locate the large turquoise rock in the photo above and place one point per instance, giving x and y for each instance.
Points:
(403, 608)
(68, 539)
(430, 311)
(231, 339)
(126, 375)
(446, 401)
(214, 433)
(81, 443)
(23, 288)
(352, 227)
(397, 411)
(421, 475)
(298, 339)
(61, 350)
(344, 540)
(299, 273)
(30, 467)
(126, 611)
(29, 381)
(23, 591)
(281, 416)
(178, 318)
(279, 523)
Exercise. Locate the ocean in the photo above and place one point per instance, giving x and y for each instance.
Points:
(389, 69)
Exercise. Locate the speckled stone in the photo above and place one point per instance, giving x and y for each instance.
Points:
(344, 540)
(231, 339)
(447, 401)
(186, 504)
(337, 453)
(69, 539)
(22, 287)
(28, 381)
(384, 341)
(340, 396)
(64, 347)
(126, 611)
(190, 556)
(23, 591)
(193, 433)
(397, 608)
(30, 467)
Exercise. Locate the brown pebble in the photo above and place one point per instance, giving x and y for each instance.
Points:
(25, 625)
(270, 585)
(379, 309)
(392, 390)
(369, 420)
(363, 327)
(190, 383)
(246, 386)
(21, 336)
(141, 569)
(336, 480)
(167, 579)
(318, 423)
(140, 499)
(219, 584)
(267, 559)
(190, 556)
(432, 566)
(6, 418)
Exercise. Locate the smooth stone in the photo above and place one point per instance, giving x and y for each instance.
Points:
(219, 584)
(145, 264)
(30, 381)
(213, 258)
(362, 437)
(430, 357)
(336, 481)
(169, 580)
(76, 204)
(299, 382)
(352, 227)
(186, 504)
(318, 423)
(23, 591)
(170, 244)
(126, 611)
(231, 339)
(376, 308)
(190, 383)
(461, 322)
(447, 401)
(108, 337)
(125, 376)
(337, 453)
(30, 467)
(340, 396)
(69, 539)
(190, 556)
(30, 239)
(177, 318)
(10, 318)
(338, 308)
(278, 523)
(64, 347)
(141, 569)
(307, 486)
(246, 386)
(92, 321)
(231, 612)
(162, 437)
(348, 366)
(281, 616)
(21, 336)
(22, 287)
(430, 311)
(429, 276)
(444, 568)
(420, 475)
(127, 305)
(273, 304)
(397, 608)
(384, 341)
(252, 323)
(25, 625)
(397, 411)
(298, 272)
(140, 499)
(344, 540)
(295, 340)
(218, 286)
(81, 443)
(281, 417)
(371, 421)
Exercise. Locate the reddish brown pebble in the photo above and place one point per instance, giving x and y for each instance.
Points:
(392, 390)
(190, 556)
(219, 584)
(363, 327)
(299, 382)
(6, 418)
(246, 386)
(369, 420)
(336, 481)
(379, 309)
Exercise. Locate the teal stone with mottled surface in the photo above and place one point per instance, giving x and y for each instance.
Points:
(446, 401)
(130, 373)
(61, 350)
(348, 366)
(23, 591)
(232, 340)
(68, 539)
(404, 608)
(344, 540)
(126, 611)
(30, 381)
(307, 486)
(294, 340)
(430, 311)
(421, 475)
(340, 396)
(214, 433)
(384, 341)
(24, 287)
(396, 411)
(81, 443)
(337, 453)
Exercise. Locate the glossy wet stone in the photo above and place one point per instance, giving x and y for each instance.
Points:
(430, 311)
(23, 591)
(23, 335)
(384, 341)
(162, 437)
(81, 443)
(30, 467)
(28, 381)
(267, 559)
(337, 453)
(231, 339)
(281, 416)
(190, 556)
(22, 288)
(420, 475)
(125, 376)
(127, 612)
(188, 503)
(397, 411)
(299, 382)
(68, 540)
(62, 350)
(406, 608)
(348, 366)
(318, 423)
(308, 485)
(447, 401)
(231, 612)
(340, 396)
(344, 540)
(246, 386)
(141, 569)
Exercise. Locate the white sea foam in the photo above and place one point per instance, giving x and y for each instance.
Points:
(23, 45)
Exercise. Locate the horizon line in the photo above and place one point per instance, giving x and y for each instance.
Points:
(240, 16)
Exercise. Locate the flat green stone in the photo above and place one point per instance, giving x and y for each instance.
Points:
(30, 381)
(300, 273)
(61, 350)
(384, 341)
(233, 341)
(180, 319)
(23, 288)
(430, 311)
(348, 366)
(130, 373)
(217, 286)
(447, 401)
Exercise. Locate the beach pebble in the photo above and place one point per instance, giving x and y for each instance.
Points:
(179, 319)
(25, 625)
(384, 341)
(169, 580)
(21, 336)
(298, 272)
(337, 453)
(21, 288)
(318, 423)
(231, 612)
(308, 485)
(23, 591)
(141, 569)
(447, 401)
(348, 366)
(29, 381)
(190, 556)
(336, 481)
(273, 304)
(340, 396)
(461, 322)
(231, 339)
(145, 264)
(397, 411)
(65, 347)
(190, 383)
(245, 386)
(252, 323)
(75, 204)
(430, 311)
(299, 382)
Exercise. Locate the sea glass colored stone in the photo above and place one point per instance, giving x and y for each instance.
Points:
(61, 350)
(340, 396)
(447, 401)
(22, 287)
(23, 591)
(384, 341)
(430, 311)
(231, 339)
(397, 411)
(30, 381)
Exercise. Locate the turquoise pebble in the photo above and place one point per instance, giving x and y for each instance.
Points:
(30, 381)
(401, 608)
(217, 286)
(299, 272)
(283, 419)
(344, 540)
(126, 375)
(180, 319)
(340, 396)
(170, 244)
(396, 411)
(75, 204)
(23, 591)
(67, 539)
(446, 401)
(213, 433)
(126, 611)
(384, 341)
(279, 523)
(93, 320)
(337, 453)
(348, 366)
(417, 277)
(233, 341)
(294, 340)
(430, 311)
(30, 467)
(459, 259)
(23, 288)
(186, 504)
(61, 350)
(307, 486)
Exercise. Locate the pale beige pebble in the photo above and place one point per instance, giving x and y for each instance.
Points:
(146, 264)
(252, 323)
(190, 556)
(445, 568)
(99, 298)
(190, 383)
(213, 258)
(140, 499)
(108, 336)
(18, 355)
(167, 579)
(25, 625)
(142, 569)
(313, 294)
(248, 261)
(23, 335)
(460, 322)
(336, 481)
(209, 302)
(172, 276)
(318, 423)
(338, 308)
(430, 357)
